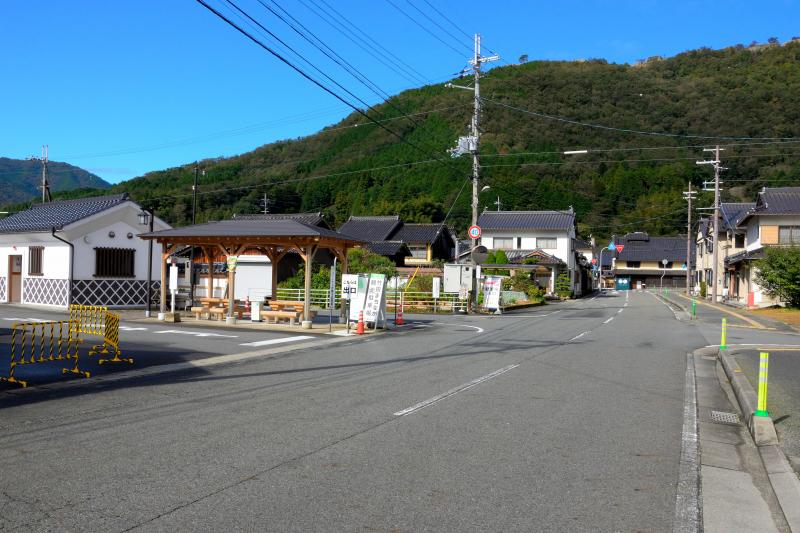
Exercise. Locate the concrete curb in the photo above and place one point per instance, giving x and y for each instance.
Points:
(782, 477)
(761, 427)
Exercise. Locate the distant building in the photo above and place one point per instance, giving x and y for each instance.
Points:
(647, 261)
(406, 244)
(83, 251)
(731, 241)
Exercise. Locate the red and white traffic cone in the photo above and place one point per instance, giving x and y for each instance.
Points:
(398, 319)
(360, 326)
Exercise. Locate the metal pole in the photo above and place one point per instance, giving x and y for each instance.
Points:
(689, 241)
(715, 267)
(600, 270)
(149, 288)
(194, 221)
(476, 115)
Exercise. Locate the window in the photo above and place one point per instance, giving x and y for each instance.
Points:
(503, 243)
(789, 235)
(113, 262)
(419, 252)
(546, 243)
(738, 241)
(633, 264)
(35, 260)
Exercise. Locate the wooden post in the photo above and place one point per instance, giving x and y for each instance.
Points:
(162, 304)
(310, 250)
(231, 282)
(210, 281)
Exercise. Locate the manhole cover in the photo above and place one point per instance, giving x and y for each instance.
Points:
(721, 417)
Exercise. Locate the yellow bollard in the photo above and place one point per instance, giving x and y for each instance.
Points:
(724, 336)
(763, 383)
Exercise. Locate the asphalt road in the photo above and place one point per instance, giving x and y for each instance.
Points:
(561, 418)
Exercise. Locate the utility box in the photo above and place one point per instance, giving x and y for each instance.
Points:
(458, 277)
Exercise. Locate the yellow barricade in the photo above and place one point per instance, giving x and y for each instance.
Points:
(41, 342)
(98, 320)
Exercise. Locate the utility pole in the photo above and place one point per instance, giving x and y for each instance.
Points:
(265, 204)
(471, 144)
(45, 186)
(498, 203)
(717, 168)
(689, 196)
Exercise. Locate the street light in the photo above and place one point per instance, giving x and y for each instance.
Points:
(664, 264)
(146, 218)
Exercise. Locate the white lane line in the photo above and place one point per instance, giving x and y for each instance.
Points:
(456, 390)
(128, 328)
(195, 334)
(687, 500)
(618, 312)
(608, 320)
(576, 337)
(26, 319)
(479, 330)
(277, 341)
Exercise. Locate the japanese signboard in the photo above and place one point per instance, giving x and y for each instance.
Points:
(369, 297)
(491, 292)
(437, 286)
(349, 285)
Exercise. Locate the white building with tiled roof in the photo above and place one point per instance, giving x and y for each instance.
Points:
(82, 251)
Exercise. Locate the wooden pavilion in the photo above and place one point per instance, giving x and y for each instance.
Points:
(273, 238)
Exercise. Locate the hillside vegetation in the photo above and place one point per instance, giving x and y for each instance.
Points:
(633, 181)
(20, 179)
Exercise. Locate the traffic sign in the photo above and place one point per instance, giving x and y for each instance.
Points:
(594, 260)
(474, 232)
(611, 246)
(620, 247)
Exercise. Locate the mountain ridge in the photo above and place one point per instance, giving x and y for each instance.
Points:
(20, 179)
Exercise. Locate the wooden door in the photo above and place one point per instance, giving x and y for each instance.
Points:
(14, 278)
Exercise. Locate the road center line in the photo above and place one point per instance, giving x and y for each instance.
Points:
(578, 336)
(277, 341)
(479, 330)
(608, 320)
(456, 390)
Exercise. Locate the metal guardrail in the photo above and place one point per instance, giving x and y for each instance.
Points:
(413, 300)
(57, 341)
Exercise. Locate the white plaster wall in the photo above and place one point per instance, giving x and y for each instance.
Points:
(55, 259)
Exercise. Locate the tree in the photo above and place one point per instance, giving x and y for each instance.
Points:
(563, 285)
(773, 40)
(779, 274)
(523, 59)
(363, 261)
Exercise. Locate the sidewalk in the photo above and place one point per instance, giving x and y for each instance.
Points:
(736, 491)
(735, 316)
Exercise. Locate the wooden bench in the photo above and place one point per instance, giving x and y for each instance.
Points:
(291, 316)
(198, 311)
(222, 312)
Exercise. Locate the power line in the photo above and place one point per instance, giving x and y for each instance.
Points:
(428, 31)
(632, 131)
(455, 39)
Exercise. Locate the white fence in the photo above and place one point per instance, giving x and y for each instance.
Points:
(413, 300)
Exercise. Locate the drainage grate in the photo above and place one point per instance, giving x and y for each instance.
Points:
(721, 417)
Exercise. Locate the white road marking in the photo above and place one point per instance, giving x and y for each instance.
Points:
(626, 304)
(608, 320)
(456, 390)
(194, 333)
(277, 341)
(758, 344)
(27, 319)
(687, 501)
(128, 328)
(576, 337)
(618, 312)
(480, 330)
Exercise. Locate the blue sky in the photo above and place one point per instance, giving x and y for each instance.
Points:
(123, 88)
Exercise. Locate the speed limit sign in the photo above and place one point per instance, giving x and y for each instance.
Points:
(474, 232)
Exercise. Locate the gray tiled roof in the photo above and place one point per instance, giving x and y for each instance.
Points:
(519, 256)
(315, 219)
(541, 220)
(653, 249)
(370, 229)
(730, 213)
(418, 233)
(388, 248)
(43, 217)
(775, 201)
(251, 228)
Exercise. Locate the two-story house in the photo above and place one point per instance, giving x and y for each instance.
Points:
(647, 261)
(549, 235)
(774, 220)
(731, 241)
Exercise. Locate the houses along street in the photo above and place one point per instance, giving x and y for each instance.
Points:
(564, 417)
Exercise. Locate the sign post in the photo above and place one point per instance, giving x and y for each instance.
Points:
(332, 295)
(173, 285)
(437, 282)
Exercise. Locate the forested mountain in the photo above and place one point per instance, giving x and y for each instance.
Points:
(627, 180)
(20, 179)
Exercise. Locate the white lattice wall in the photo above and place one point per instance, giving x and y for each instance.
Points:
(45, 291)
(113, 292)
(3, 295)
